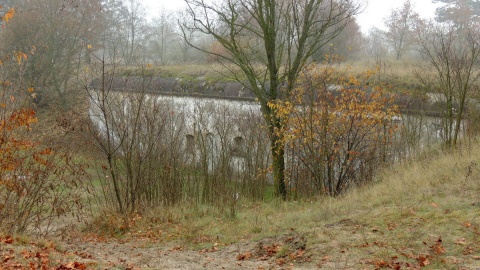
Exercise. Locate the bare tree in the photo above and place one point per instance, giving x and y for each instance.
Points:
(401, 24)
(267, 44)
(163, 36)
(452, 55)
(377, 49)
(185, 37)
(126, 29)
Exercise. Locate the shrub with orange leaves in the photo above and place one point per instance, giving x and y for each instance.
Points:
(339, 131)
(36, 183)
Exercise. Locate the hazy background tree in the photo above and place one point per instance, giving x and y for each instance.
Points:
(401, 24)
(349, 43)
(461, 12)
(163, 37)
(134, 29)
(57, 33)
(184, 38)
(127, 30)
(376, 45)
(267, 43)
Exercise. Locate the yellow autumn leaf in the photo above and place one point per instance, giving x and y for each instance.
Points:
(9, 15)
(30, 89)
(20, 56)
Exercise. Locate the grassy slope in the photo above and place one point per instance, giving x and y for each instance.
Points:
(423, 213)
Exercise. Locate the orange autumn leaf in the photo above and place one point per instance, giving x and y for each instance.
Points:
(9, 15)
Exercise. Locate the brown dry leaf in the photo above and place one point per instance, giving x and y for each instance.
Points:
(73, 265)
(176, 248)
(8, 240)
(391, 226)
(7, 258)
(280, 261)
(263, 258)
(468, 250)
(244, 256)
(461, 241)
(438, 247)
(423, 260)
(296, 255)
(381, 263)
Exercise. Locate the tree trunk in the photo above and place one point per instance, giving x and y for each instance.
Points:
(278, 163)
(277, 144)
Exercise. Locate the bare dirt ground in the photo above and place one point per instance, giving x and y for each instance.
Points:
(142, 256)
(346, 244)
(92, 252)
